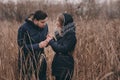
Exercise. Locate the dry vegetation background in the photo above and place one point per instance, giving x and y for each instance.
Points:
(97, 53)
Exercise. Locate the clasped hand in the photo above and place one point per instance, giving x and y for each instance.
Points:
(45, 42)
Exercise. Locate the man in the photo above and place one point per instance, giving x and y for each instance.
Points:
(31, 42)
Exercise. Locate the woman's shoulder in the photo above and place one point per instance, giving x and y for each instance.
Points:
(70, 34)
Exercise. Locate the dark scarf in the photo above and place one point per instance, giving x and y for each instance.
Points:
(68, 28)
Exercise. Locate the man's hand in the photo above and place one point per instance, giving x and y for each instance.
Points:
(43, 44)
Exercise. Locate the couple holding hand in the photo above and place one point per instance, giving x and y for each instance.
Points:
(33, 37)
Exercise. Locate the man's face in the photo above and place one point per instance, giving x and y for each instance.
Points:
(41, 23)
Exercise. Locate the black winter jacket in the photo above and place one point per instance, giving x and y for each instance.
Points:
(29, 37)
(64, 47)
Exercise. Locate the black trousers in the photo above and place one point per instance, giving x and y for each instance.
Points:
(64, 74)
(40, 70)
(32, 66)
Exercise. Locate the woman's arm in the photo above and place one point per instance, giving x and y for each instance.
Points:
(67, 45)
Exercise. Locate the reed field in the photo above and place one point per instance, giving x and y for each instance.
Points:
(96, 55)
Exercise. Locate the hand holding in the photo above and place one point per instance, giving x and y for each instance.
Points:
(49, 37)
(43, 44)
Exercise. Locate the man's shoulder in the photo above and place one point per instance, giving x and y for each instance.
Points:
(24, 26)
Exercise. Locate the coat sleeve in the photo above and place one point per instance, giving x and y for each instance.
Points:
(22, 44)
(57, 35)
(64, 48)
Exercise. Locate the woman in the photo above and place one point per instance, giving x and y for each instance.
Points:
(63, 62)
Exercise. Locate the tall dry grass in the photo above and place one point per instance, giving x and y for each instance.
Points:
(98, 49)
(11, 11)
(96, 54)
(8, 50)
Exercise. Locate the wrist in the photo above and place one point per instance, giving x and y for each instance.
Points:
(47, 40)
(39, 45)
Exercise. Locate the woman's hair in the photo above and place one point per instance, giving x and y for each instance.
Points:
(61, 19)
(65, 18)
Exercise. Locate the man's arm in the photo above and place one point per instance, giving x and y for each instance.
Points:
(22, 43)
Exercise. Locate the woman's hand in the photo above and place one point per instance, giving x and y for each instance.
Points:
(49, 37)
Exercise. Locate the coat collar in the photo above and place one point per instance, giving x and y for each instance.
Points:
(33, 25)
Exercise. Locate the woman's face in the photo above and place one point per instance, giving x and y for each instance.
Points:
(59, 23)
